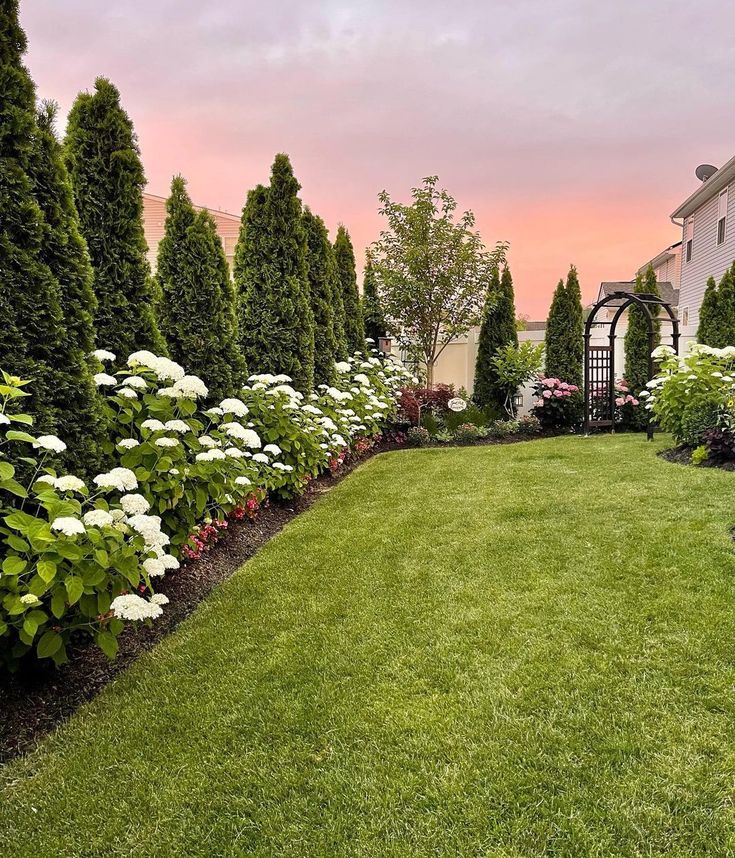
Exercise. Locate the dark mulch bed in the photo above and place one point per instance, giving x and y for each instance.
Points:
(682, 455)
(40, 696)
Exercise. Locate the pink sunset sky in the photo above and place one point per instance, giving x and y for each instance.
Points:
(570, 127)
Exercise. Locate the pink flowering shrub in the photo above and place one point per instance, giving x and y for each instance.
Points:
(626, 404)
(556, 403)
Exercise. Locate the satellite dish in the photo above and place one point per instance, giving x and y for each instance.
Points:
(705, 171)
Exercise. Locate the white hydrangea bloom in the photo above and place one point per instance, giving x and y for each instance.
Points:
(167, 442)
(338, 439)
(262, 458)
(273, 449)
(142, 358)
(343, 366)
(177, 426)
(103, 355)
(171, 393)
(169, 561)
(30, 599)
(238, 431)
(128, 443)
(134, 504)
(69, 484)
(98, 518)
(191, 386)
(210, 455)
(152, 425)
(159, 599)
(122, 479)
(234, 406)
(4, 420)
(67, 525)
(50, 442)
(136, 382)
(154, 567)
(127, 393)
(102, 379)
(132, 607)
(208, 441)
(167, 370)
(281, 467)
(234, 453)
(47, 478)
(216, 411)
(243, 481)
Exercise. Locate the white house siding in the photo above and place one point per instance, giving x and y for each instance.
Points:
(708, 259)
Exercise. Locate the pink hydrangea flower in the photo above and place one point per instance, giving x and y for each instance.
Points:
(620, 401)
(547, 394)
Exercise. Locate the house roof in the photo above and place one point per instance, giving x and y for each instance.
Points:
(662, 257)
(721, 179)
(535, 326)
(668, 293)
(212, 211)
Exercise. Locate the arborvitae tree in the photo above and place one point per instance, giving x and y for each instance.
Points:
(197, 308)
(498, 330)
(103, 159)
(564, 341)
(30, 301)
(638, 345)
(717, 313)
(80, 421)
(340, 336)
(372, 312)
(276, 322)
(322, 272)
(347, 277)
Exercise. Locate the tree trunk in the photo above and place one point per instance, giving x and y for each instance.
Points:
(430, 375)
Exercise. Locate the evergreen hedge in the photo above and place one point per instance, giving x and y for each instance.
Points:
(103, 160)
(79, 411)
(30, 296)
(354, 326)
(498, 329)
(717, 313)
(564, 339)
(322, 273)
(637, 343)
(197, 313)
(276, 321)
(372, 312)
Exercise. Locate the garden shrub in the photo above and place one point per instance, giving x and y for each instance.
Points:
(693, 393)
(417, 436)
(354, 326)
(503, 428)
(75, 561)
(529, 424)
(466, 433)
(321, 268)
(557, 403)
(498, 330)
(79, 560)
(372, 311)
(719, 444)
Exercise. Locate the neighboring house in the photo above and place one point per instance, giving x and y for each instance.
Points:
(154, 220)
(666, 266)
(708, 238)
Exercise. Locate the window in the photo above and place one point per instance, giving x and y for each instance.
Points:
(685, 317)
(721, 217)
(689, 237)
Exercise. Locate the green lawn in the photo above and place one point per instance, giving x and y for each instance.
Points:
(502, 651)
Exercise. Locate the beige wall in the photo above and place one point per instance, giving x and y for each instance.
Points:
(154, 220)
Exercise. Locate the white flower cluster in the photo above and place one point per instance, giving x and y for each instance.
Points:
(134, 608)
(121, 479)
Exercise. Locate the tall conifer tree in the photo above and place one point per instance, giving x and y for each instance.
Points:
(638, 346)
(564, 341)
(347, 278)
(322, 273)
(372, 311)
(717, 313)
(107, 177)
(276, 321)
(498, 330)
(30, 299)
(197, 313)
(80, 421)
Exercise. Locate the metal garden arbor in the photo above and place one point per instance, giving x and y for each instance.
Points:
(599, 361)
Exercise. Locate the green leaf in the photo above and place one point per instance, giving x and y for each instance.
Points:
(14, 565)
(26, 419)
(49, 643)
(16, 543)
(74, 587)
(14, 435)
(14, 487)
(47, 570)
(58, 603)
(6, 470)
(30, 627)
(107, 643)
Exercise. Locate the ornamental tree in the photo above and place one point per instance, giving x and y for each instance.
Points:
(372, 312)
(564, 341)
(275, 317)
(103, 160)
(638, 347)
(717, 313)
(198, 316)
(30, 299)
(79, 417)
(432, 271)
(347, 283)
(321, 269)
(497, 331)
